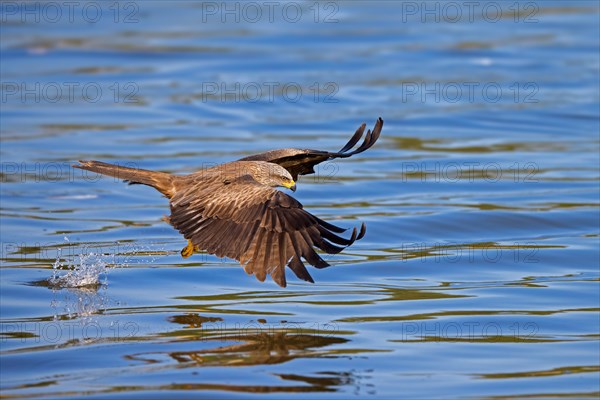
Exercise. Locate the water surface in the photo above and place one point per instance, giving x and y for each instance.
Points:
(478, 276)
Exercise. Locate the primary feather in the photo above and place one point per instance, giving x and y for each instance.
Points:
(233, 210)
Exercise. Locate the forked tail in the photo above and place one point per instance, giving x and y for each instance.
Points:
(161, 181)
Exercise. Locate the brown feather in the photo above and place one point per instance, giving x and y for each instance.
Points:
(227, 211)
(302, 161)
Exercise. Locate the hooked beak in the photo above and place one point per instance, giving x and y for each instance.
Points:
(290, 185)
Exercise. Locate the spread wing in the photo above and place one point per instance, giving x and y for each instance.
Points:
(263, 228)
(302, 161)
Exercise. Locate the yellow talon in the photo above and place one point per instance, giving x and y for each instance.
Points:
(188, 250)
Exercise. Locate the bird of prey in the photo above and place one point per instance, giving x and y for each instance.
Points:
(235, 209)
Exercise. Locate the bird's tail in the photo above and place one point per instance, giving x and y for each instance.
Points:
(161, 181)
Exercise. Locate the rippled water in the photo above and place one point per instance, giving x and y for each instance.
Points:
(478, 276)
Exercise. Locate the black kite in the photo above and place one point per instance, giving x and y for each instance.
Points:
(234, 210)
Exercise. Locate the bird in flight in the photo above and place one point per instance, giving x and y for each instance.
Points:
(235, 209)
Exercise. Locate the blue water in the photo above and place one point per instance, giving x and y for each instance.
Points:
(478, 275)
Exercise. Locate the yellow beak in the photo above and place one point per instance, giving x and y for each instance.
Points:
(290, 185)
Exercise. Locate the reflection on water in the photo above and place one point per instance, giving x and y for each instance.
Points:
(78, 303)
(478, 275)
(258, 349)
(257, 346)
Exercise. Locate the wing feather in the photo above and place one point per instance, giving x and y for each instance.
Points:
(302, 161)
(354, 139)
(263, 228)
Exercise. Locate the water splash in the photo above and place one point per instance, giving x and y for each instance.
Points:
(86, 270)
(89, 267)
(80, 276)
(82, 303)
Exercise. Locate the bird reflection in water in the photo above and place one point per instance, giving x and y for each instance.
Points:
(260, 344)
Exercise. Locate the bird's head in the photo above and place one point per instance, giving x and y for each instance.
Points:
(271, 174)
